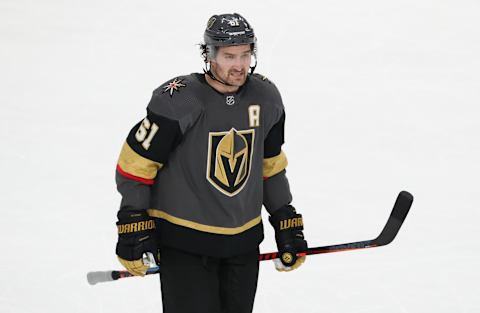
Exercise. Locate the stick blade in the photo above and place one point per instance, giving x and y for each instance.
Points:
(397, 217)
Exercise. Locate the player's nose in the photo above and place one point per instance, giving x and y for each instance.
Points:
(239, 64)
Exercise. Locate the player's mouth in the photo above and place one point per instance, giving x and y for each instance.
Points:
(237, 74)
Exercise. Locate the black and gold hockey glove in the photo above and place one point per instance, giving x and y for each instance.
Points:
(135, 237)
(288, 227)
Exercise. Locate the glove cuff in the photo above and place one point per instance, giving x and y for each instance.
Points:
(134, 221)
(288, 225)
(135, 235)
(286, 218)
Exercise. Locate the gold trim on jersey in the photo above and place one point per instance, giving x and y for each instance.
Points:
(274, 165)
(202, 227)
(135, 164)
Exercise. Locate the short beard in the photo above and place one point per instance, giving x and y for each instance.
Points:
(228, 82)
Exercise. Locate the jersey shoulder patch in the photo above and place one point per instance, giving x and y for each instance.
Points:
(176, 100)
(265, 84)
(173, 86)
(262, 77)
(269, 89)
(273, 105)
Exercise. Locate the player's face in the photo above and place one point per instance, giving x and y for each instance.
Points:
(232, 63)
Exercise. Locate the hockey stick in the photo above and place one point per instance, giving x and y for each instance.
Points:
(397, 217)
(399, 213)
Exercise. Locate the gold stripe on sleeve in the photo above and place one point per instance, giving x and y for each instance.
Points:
(134, 164)
(274, 165)
(202, 227)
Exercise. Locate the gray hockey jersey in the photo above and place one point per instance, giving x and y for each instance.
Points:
(203, 163)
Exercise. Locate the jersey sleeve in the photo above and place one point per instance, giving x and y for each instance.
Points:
(276, 189)
(149, 144)
(274, 159)
(147, 147)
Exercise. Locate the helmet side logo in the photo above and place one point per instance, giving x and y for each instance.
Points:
(211, 21)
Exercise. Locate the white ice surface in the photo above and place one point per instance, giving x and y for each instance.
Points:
(380, 96)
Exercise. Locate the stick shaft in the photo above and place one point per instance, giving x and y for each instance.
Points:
(397, 217)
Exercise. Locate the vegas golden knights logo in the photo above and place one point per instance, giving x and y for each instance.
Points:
(229, 159)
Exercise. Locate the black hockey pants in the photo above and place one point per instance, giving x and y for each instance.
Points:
(198, 284)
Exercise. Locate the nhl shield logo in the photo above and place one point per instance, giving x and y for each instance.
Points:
(229, 159)
(230, 100)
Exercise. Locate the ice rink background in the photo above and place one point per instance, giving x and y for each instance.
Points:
(381, 96)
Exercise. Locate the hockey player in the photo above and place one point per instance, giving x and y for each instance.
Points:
(195, 172)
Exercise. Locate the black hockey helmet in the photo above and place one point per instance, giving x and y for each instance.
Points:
(228, 30)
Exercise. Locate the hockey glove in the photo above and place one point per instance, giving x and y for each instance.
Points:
(135, 237)
(288, 227)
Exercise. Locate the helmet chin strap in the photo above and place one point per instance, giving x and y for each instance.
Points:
(212, 76)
